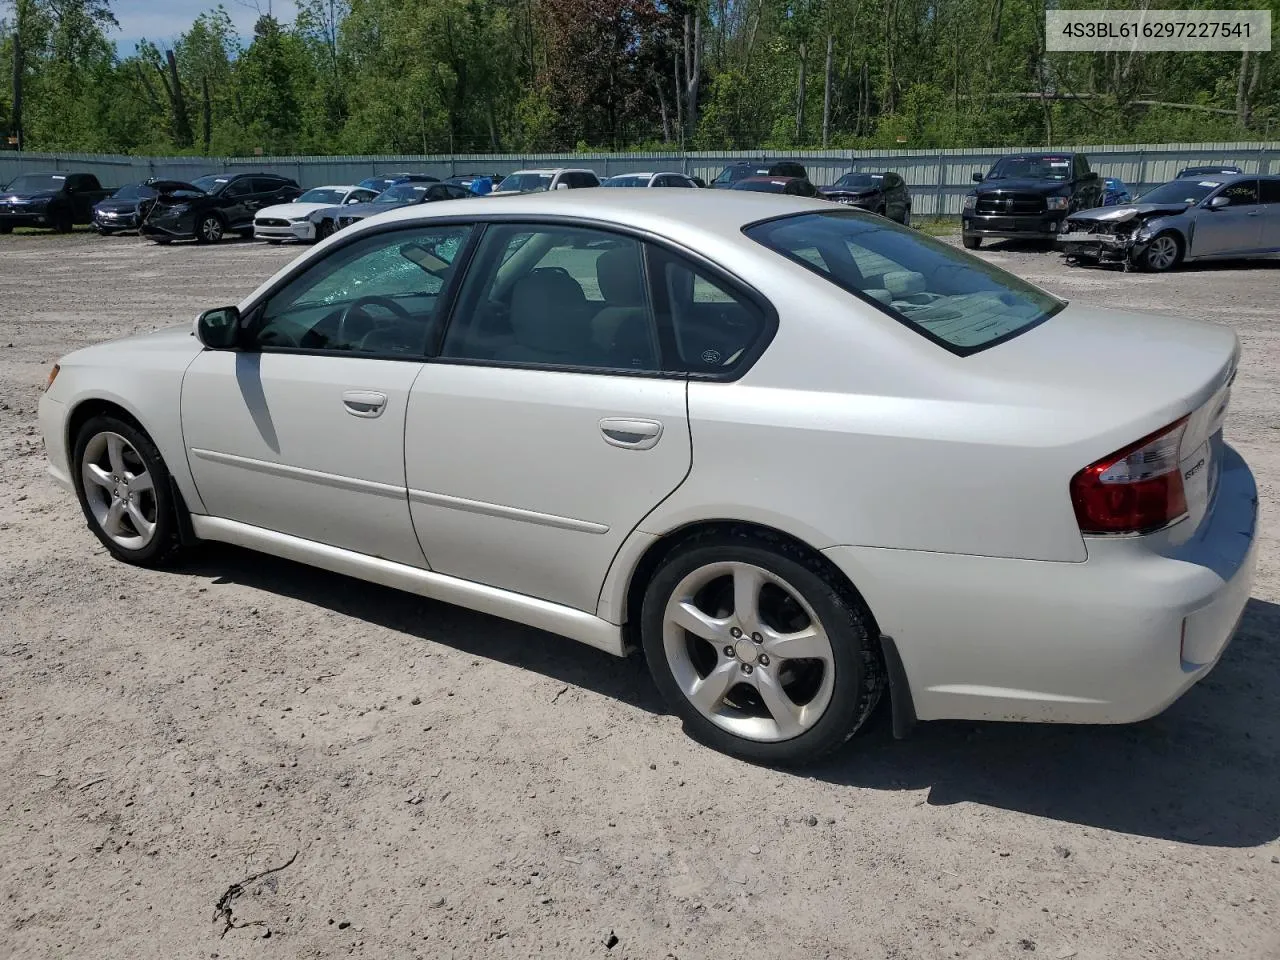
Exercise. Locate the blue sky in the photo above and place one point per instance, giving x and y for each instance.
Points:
(162, 22)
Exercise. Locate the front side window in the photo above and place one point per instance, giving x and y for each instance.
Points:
(1241, 194)
(950, 297)
(555, 296)
(379, 295)
(134, 191)
(527, 182)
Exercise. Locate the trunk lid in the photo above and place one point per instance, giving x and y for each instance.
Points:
(1111, 377)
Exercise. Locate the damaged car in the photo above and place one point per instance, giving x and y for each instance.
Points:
(1183, 220)
(209, 207)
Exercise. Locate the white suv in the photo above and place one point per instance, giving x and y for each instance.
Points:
(539, 181)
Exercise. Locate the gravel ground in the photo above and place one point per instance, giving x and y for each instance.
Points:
(438, 783)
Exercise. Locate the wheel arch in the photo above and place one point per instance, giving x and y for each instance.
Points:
(85, 409)
(630, 585)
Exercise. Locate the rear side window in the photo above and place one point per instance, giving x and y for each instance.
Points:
(1270, 192)
(1242, 193)
(958, 301)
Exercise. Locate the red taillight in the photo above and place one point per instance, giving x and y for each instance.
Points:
(1134, 490)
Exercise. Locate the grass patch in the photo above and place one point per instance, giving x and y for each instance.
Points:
(937, 226)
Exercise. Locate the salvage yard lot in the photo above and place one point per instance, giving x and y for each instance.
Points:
(454, 785)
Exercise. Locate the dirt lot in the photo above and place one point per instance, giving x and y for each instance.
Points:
(442, 784)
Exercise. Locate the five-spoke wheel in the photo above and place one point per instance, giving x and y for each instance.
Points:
(759, 650)
(124, 491)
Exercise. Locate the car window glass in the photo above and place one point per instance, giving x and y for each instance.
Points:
(378, 295)
(1241, 194)
(1270, 191)
(560, 296)
(954, 299)
(714, 325)
(680, 182)
(237, 188)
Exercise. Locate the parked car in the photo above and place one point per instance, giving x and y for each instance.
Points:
(1028, 196)
(791, 186)
(381, 183)
(1183, 220)
(541, 181)
(331, 219)
(1064, 534)
(1114, 191)
(294, 220)
(209, 207)
(742, 169)
(124, 209)
(1221, 170)
(57, 200)
(650, 180)
(883, 193)
(481, 184)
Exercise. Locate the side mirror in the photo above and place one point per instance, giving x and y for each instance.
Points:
(219, 329)
(1217, 203)
(351, 200)
(977, 178)
(562, 185)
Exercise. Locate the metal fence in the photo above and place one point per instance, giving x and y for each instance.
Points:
(939, 179)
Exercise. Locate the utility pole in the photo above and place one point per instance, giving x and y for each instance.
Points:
(16, 125)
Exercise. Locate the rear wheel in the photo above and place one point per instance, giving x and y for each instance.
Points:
(1164, 252)
(208, 229)
(6, 228)
(123, 487)
(757, 652)
(62, 223)
(970, 242)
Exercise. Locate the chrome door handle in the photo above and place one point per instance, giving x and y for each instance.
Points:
(364, 403)
(631, 434)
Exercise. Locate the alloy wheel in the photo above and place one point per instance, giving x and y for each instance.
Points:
(211, 229)
(1162, 253)
(748, 651)
(119, 490)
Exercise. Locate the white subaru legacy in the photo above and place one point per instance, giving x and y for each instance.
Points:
(802, 456)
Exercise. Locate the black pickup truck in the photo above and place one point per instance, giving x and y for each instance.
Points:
(57, 200)
(1028, 196)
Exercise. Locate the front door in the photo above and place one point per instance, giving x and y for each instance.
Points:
(1235, 228)
(546, 430)
(1269, 195)
(302, 430)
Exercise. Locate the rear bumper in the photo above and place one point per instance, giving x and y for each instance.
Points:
(1039, 227)
(1114, 639)
(294, 231)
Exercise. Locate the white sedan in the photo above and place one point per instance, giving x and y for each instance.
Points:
(800, 455)
(649, 179)
(293, 220)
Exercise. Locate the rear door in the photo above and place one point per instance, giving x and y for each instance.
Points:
(1269, 195)
(234, 203)
(1235, 228)
(547, 428)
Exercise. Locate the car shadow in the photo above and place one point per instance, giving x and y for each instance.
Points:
(1015, 245)
(1203, 772)
(626, 680)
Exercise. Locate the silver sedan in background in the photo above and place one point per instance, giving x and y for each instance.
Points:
(1186, 219)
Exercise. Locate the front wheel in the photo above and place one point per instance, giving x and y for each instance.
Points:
(758, 652)
(1164, 252)
(970, 242)
(62, 223)
(6, 228)
(208, 229)
(123, 487)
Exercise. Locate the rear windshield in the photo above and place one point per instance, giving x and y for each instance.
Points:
(860, 180)
(954, 299)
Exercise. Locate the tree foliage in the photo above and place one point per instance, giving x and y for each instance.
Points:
(436, 76)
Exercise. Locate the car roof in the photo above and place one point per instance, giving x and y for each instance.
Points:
(634, 173)
(780, 178)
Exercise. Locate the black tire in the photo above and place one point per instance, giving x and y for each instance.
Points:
(858, 668)
(104, 232)
(1152, 259)
(165, 544)
(323, 229)
(274, 243)
(970, 242)
(62, 223)
(6, 228)
(209, 228)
